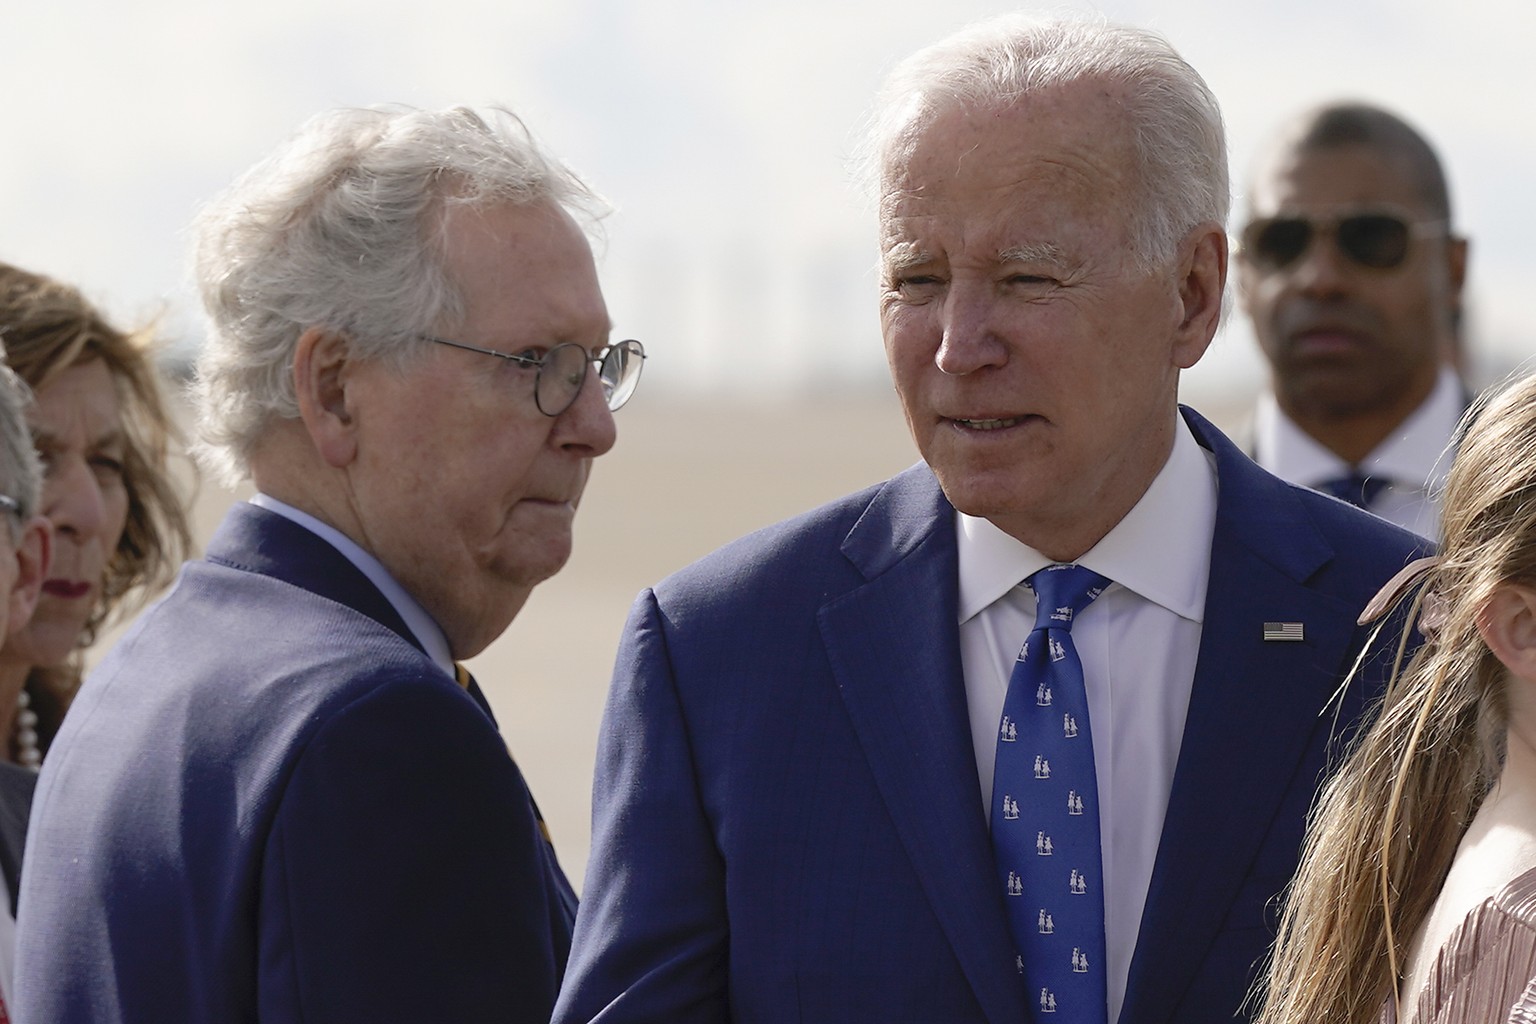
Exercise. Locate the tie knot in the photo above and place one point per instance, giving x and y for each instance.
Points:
(1356, 488)
(1061, 591)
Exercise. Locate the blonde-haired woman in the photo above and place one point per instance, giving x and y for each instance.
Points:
(119, 528)
(1416, 899)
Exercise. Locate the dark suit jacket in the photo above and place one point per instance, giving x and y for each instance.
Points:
(788, 825)
(16, 787)
(269, 804)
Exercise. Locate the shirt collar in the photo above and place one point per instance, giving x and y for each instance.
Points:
(421, 625)
(1161, 549)
(1414, 456)
(1419, 449)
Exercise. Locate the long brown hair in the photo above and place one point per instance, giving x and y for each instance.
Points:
(48, 327)
(1387, 826)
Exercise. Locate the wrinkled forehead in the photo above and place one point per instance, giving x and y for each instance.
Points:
(1066, 138)
(520, 269)
(1037, 171)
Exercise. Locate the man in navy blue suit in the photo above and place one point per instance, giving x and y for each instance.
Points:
(280, 798)
(801, 772)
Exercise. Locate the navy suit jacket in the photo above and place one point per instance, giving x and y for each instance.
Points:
(788, 825)
(268, 804)
(16, 787)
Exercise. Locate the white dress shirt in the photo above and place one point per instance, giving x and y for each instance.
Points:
(1138, 643)
(421, 625)
(1414, 458)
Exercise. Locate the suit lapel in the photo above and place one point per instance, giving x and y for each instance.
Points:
(1252, 708)
(894, 648)
(257, 540)
(16, 786)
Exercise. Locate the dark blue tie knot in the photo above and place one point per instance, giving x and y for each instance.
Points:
(1356, 488)
(1061, 591)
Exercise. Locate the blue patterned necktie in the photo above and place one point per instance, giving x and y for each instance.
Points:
(1045, 809)
(1356, 488)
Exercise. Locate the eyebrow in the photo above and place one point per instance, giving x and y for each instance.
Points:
(905, 255)
(1043, 252)
(43, 436)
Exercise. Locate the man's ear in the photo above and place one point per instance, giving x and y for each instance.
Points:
(1456, 252)
(1507, 624)
(34, 553)
(1202, 270)
(322, 365)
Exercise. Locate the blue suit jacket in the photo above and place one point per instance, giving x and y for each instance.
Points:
(16, 787)
(787, 824)
(269, 804)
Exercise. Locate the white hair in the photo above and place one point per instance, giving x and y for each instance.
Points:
(21, 474)
(338, 229)
(1174, 119)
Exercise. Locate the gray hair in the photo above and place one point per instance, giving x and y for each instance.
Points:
(21, 474)
(338, 229)
(1175, 121)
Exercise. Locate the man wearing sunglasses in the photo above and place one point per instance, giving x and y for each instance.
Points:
(1352, 274)
(281, 798)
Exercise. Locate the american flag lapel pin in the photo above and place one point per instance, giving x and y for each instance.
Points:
(1283, 631)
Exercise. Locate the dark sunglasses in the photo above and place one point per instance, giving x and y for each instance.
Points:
(1376, 240)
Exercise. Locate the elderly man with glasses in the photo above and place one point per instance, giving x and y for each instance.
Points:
(1352, 273)
(280, 798)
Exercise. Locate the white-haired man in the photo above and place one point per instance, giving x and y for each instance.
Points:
(788, 823)
(279, 798)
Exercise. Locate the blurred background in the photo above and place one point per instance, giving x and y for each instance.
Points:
(740, 251)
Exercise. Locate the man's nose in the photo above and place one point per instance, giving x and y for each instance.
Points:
(1322, 268)
(588, 424)
(970, 340)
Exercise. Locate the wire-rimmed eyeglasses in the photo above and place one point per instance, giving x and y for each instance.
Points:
(560, 372)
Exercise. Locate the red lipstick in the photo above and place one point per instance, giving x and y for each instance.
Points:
(66, 589)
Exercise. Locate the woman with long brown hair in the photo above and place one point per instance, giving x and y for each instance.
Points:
(119, 530)
(1416, 899)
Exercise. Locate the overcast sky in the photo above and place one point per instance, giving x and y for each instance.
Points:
(740, 252)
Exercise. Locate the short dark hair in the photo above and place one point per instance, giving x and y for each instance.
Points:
(1334, 125)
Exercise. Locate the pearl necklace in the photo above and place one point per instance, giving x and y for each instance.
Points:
(24, 734)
